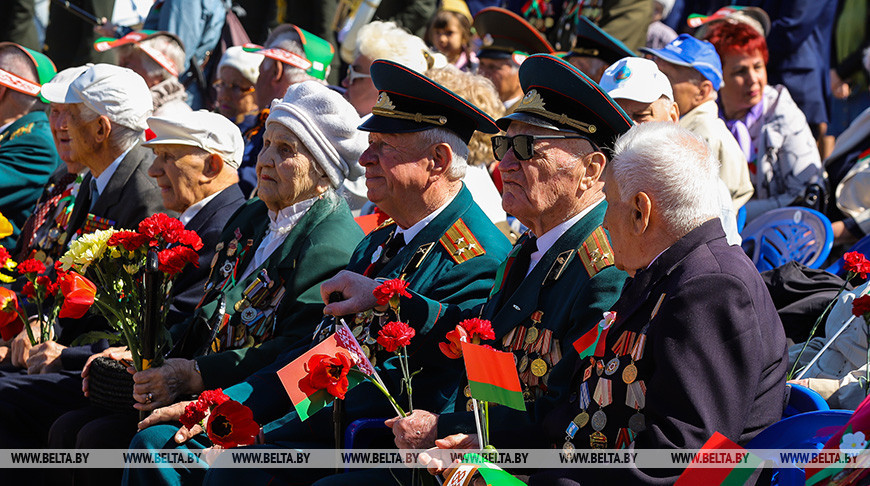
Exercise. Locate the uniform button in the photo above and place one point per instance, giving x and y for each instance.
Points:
(573, 397)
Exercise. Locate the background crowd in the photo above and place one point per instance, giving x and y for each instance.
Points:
(279, 131)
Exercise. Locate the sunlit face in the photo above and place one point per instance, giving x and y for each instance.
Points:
(503, 75)
(235, 94)
(687, 91)
(544, 182)
(396, 169)
(448, 41)
(286, 171)
(178, 170)
(361, 91)
(745, 77)
(658, 110)
(271, 83)
(76, 137)
(58, 118)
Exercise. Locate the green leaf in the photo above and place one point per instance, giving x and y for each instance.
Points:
(94, 336)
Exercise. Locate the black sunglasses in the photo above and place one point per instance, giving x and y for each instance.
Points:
(524, 145)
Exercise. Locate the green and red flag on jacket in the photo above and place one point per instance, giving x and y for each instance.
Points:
(847, 455)
(492, 376)
(698, 471)
(315, 379)
(592, 343)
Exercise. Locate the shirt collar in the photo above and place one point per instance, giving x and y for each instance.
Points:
(194, 209)
(284, 220)
(103, 179)
(411, 232)
(548, 239)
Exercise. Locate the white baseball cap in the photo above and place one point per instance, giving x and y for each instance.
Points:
(113, 91)
(247, 63)
(636, 79)
(212, 132)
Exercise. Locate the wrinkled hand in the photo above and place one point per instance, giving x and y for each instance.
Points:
(117, 353)
(416, 431)
(45, 358)
(434, 462)
(171, 414)
(158, 387)
(356, 290)
(5, 353)
(839, 88)
(20, 345)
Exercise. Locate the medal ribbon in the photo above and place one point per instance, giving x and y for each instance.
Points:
(635, 395)
(624, 343)
(584, 396)
(624, 438)
(637, 350)
(603, 395)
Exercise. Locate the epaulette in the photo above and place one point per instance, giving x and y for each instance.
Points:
(383, 225)
(460, 243)
(18, 132)
(596, 253)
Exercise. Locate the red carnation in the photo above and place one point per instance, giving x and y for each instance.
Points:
(10, 319)
(478, 329)
(31, 265)
(160, 224)
(857, 263)
(328, 373)
(46, 284)
(394, 335)
(389, 290)
(172, 260)
(130, 240)
(193, 414)
(4, 256)
(213, 398)
(452, 349)
(190, 238)
(861, 305)
(78, 294)
(232, 424)
(28, 291)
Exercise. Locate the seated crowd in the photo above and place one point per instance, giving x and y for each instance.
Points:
(579, 210)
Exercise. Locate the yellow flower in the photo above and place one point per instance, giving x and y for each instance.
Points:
(6, 278)
(131, 268)
(86, 250)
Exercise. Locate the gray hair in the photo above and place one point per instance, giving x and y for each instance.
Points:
(170, 48)
(15, 61)
(121, 137)
(386, 40)
(674, 167)
(287, 38)
(460, 149)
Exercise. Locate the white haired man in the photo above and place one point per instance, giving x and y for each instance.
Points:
(706, 351)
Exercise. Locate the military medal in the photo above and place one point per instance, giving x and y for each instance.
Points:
(567, 447)
(635, 395)
(366, 351)
(523, 363)
(581, 419)
(467, 391)
(242, 304)
(598, 440)
(532, 333)
(469, 406)
(612, 366)
(357, 331)
(588, 372)
(539, 367)
(629, 374)
(599, 367)
(599, 420)
(227, 268)
(637, 423)
(624, 438)
(248, 315)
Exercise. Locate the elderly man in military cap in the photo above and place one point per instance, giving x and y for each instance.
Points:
(594, 50)
(559, 279)
(507, 40)
(438, 240)
(27, 155)
(696, 346)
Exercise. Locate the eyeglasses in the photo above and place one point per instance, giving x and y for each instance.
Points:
(524, 145)
(235, 88)
(354, 75)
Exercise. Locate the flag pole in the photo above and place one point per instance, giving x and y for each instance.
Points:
(477, 423)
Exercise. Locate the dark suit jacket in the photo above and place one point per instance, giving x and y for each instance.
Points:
(714, 360)
(208, 223)
(130, 196)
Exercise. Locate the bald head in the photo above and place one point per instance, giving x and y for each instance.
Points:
(15, 61)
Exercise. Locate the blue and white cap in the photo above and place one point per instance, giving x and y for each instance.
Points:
(686, 50)
(636, 79)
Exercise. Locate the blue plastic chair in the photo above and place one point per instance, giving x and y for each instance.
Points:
(862, 246)
(788, 234)
(802, 399)
(741, 218)
(808, 430)
(359, 434)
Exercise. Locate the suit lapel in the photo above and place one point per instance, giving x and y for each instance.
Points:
(224, 198)
(113, 192)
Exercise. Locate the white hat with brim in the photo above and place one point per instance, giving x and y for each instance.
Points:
(211, 132)
(636, 79)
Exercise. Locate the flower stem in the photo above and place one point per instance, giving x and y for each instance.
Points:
(383, 390)
(791, 373)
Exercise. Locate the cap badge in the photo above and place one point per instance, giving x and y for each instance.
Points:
(622, 73)
(487, 40)
(532, 102)
(384, 102)
(385, 107)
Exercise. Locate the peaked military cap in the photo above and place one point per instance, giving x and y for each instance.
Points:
(410, 102)
(505, 33)
(593, 42)
(560, 97)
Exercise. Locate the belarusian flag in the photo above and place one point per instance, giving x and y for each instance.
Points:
(492, 376)
(720, 475)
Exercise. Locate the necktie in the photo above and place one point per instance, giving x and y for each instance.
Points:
(388, 251)
(95, 193)
(519, 267)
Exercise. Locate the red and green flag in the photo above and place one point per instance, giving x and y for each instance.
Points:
(728, 476)
(492, 376)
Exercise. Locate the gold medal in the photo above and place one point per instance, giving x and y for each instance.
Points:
(242, 305)
(598, 440)
(357, 331)
(467, 391)
(539, 367)
(531, 335)
(469, 405)
(366, 351)
(581, 419)
(629, 374)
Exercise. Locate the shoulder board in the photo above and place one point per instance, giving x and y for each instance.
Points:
(596, 253)
(383, 225)
(22, 131)
(460, 243)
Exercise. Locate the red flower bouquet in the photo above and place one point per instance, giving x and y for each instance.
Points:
(11, 319)
(856, 263)
(468, 331)
(230, 424)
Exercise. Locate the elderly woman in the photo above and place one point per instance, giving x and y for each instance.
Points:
(296, 234)
(236, 98)
(783, 159)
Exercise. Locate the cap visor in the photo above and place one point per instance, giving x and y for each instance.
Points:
(505, 121)
(171, 141)
(60, 93)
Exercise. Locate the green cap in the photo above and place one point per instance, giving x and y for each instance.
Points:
(45, 69)
(318, 53)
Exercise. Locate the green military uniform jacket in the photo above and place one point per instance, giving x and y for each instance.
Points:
(564, 295)
(459, 278)
(28, 157)
(258, 325)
